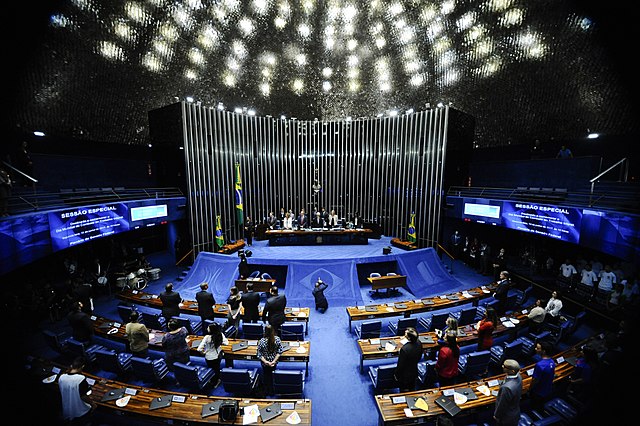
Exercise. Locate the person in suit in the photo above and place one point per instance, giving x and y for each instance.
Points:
(249, 229)
(273, 311)
(333, 219)
(170, 302)
(318, 294)
(408, 358)
(206, 302)
(507, 407)
(356, 220)
(282, 214)
(243, 268)
(502, 292)
(324, 215)
(272, 221)
(81, 324)
(303, 219)
(250, 302)
(317, 221)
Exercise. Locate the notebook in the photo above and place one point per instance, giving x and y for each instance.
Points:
(371, 308)
(425, 339)
(105, 326)
(448, 405)
(211, 408)
(287, 310)
(270, 411)
(161, 402)
(239, 346)
(468, 392)
(113, 394)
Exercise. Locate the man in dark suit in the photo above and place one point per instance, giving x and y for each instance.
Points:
(507, 407)
(272, 221)
(502, 291)
(170, 302)
(408, 358)
(356, 220)
(81, 324)
(250, 302)
(83, 292)
(317, 222)
(303, 220)
(273, 311)
(324, 215)
(206, 302)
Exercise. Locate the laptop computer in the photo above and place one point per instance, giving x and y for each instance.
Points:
(211, 408)
(448, 404)
(468, 392)
(239, 346)
(270, 411)
(160, 402)
(426, 339)
(113, 394)
(371, 308)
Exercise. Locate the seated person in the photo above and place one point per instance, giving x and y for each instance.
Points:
(287, 223)
(317, 222)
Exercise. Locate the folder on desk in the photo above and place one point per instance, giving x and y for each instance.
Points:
(411, 401)
(105, 326)
(270, 411)
(473, 293)
(113, 394)
(146, 297)
(461, 333)
(371, 308)
(238, 346)
(211, 408)
(448, 404)
(285, 346)
(161, 402)
(425, 339)
(222, 308)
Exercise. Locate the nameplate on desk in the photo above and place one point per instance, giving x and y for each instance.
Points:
(178, 398)
(400, 306)
(427, 302)
(146, 297)
(492, 383)
(398, 399)
(373, 308)
(288, 405)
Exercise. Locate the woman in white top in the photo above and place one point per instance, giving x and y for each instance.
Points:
(333, 219)
(554, 305)
(288, 221)
(211, 347)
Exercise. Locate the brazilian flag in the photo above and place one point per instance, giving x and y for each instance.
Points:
(411, 232)
(219, 237)
(239, 208)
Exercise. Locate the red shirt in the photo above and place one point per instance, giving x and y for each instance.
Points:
(447, 363)
(485, 334)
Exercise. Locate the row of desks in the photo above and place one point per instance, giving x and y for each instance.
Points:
(190, 307)
(406, 308)
(185, 407)
(297, 352)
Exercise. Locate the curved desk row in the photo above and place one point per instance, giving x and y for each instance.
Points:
(371, 349)
(190, 307)
(297, 351)
(184, 407)
(309, 236)
(406, 308)
(391, 407)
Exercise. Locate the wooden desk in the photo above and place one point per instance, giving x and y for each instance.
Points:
(259, 286)
(287, 237)
(403, 244)
(103, 326)
(473, 296)
(190, 307)
(187, 412)
(390, 282)
(467, 335)
(393, 414)
(232, 247)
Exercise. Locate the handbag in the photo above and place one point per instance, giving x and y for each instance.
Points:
(228, 410)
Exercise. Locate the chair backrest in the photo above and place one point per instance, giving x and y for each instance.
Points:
(192, 376)
(112, 361)
(266, 276)
(288, 382)
(403, 323)
(236, 380)
(438, 320)
(254, 274)
(154, 321)
(149, 370)
(512, 350)
(193, 327)
(85, 350)
(56, 341)
(385, 378)
(467, 315)
(292, 331)
(124, 312)
(369, 329)
(252, 330)
(375, 275)
(476, 364)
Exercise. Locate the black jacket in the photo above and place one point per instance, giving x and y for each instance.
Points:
(170, 304)
(407, 369)
(250, 302)
(318, 295)
(273, 312)
(206, 302)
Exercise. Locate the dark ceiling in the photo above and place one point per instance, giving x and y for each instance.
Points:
(545, 69)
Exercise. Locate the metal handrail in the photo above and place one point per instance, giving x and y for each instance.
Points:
(34, 180)
(593, 181)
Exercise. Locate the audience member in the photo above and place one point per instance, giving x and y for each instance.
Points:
(564, 152)
(630, 292)
(485, 328)
(485, 258)
(206, 303)
(250, 303)
(499, 263)
(318, 294)
(409, 356)
(606, 279)
(536, 317)
(211, 347)
(171, 301)
(447, 362)
(174, 344)
(234, 307)
(137, 336)
(76, 405)
(541, 388)
(507, 407)
(553, 308)
(614, 301)
(568, 271)
(269, 351)
(273, 311)
(81, 324)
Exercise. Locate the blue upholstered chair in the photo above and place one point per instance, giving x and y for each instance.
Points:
(382, 377)
(239, 381)
(85, 350)
(149, 370)
(252, 330)
(192, 326)
(292, 331)
(288, 382)
(115, 362)
(508, 350)
(56, 341)
(192, 376)
(369, 329)
(437, 320)
(154, 321)
(398, 327)
(474, 365)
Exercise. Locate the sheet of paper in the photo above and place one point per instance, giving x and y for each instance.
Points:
(389, 347)
(374, 341)
(408, 412)
(448, 392)
(249, 419)
(404, 341)
(252, 410)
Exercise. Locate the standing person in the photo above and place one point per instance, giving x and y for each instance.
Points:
(507, 408)
(273, 311)
(541, 388)
(282, 215)
(76, 404)
(206, 303)
(408, 358)
(5, 191)
(499, 263)
(356, 220)
(243, 267)
(234, 306)
(303, 220)
(568, 271)
(211, 347)
(606, 279)
(318, 294)
(249, 229)
(502, 292)
(83, 292)
(554, 305)
(250, 303)
(324, 215)
(287, 221)
(448, 357)
(456, 244)
(175, 345)
(317, 221)
(536, 317)
(485, 328)
(81, 324)
(564, 152)
(269, 350)
(137, 336)
(485, 258)
(170, 302)
(333, 220)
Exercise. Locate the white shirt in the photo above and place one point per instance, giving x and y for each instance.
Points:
(72, 405)
(288, 222)
(553, 307)
(588, 277)
(209, 350)
(607, 280)
(567, 270)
